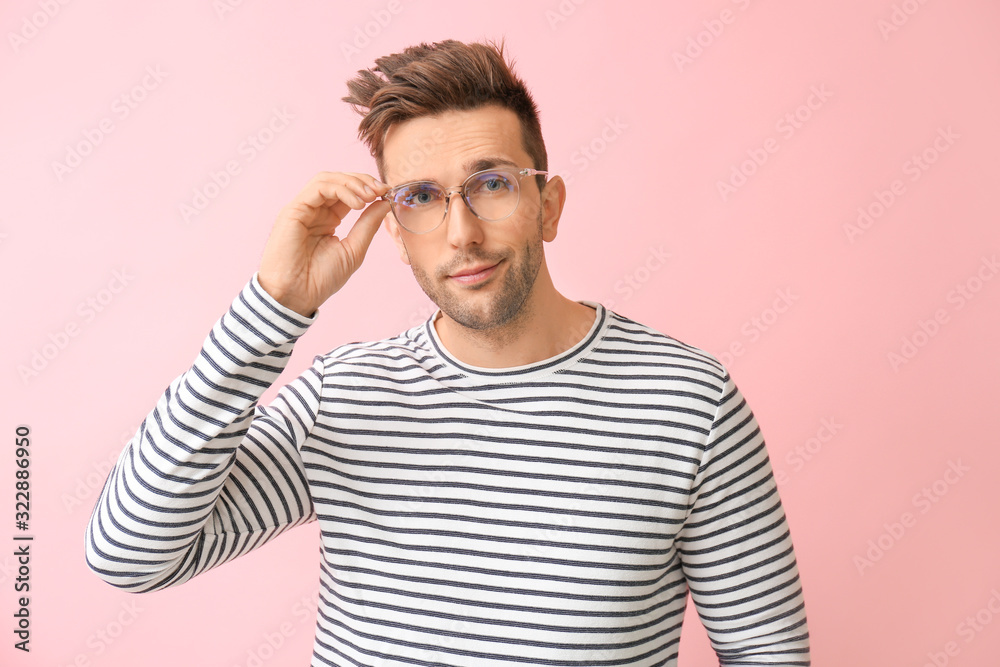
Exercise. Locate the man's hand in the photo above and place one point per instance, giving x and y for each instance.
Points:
(304, 262)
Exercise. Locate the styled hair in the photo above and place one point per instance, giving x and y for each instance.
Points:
(430, 79)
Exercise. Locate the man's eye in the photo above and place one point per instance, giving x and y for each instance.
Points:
(492, 184)
(418, 197)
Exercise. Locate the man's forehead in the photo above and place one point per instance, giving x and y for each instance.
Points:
(467, 168)
(445, 177)
(452, 144)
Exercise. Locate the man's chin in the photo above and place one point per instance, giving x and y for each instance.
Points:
(483, 305)
(463, 310)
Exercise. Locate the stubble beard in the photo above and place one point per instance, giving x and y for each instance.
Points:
(509, 304)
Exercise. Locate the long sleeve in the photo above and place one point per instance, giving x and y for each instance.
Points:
(210, 475)
(736, 548)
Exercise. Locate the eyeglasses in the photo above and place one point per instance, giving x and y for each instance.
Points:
(493, 194)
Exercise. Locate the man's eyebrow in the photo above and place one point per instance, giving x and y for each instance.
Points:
(488, 162)
(478, 164)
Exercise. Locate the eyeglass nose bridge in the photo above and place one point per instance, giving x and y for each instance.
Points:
(460, 191)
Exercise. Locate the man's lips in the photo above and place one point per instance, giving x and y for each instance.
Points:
(474, 274)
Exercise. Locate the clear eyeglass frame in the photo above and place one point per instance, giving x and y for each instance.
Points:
(447, 193)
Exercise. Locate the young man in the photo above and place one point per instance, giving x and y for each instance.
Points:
(522, 479)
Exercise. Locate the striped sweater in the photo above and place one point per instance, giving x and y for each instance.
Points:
(557, 513)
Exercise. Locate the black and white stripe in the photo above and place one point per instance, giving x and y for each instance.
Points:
(550, 514)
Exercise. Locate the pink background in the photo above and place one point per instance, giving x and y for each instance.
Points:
(115, 291)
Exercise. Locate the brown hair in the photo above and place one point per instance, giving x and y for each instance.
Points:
(430, 79)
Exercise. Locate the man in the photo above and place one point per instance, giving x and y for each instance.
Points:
(522, 479)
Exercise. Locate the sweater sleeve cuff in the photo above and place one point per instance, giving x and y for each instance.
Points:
(264, 319)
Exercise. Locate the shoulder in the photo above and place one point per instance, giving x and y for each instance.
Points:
(626, 338)
(632, 334)
(403, 350)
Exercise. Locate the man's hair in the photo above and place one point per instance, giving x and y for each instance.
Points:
(430, 79)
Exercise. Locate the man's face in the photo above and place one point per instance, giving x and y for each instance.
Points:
(480, 274)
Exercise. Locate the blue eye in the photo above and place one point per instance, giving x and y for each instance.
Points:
(492, 183)
(418, 195)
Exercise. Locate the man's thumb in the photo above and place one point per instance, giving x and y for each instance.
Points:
(364, 229)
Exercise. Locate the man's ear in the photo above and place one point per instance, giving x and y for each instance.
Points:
(393, 228)
(553, 201)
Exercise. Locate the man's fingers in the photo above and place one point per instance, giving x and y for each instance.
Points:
(341, 193)
(367, 179)
(363, 231)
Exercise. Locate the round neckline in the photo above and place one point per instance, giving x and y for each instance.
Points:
(477, 375)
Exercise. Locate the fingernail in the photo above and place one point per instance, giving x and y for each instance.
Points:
(368, 190)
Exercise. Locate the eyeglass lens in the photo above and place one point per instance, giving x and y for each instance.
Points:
(491, 195)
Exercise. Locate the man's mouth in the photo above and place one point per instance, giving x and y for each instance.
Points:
(474, 274)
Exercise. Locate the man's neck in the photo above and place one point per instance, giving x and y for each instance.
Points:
(546, 326)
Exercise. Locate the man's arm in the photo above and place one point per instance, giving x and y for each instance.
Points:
(209, 475)
(736, 548)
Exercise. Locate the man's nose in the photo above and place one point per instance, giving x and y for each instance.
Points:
(464, 226)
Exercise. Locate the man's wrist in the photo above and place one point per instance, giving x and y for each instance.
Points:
(301, 310)
(287, 311)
